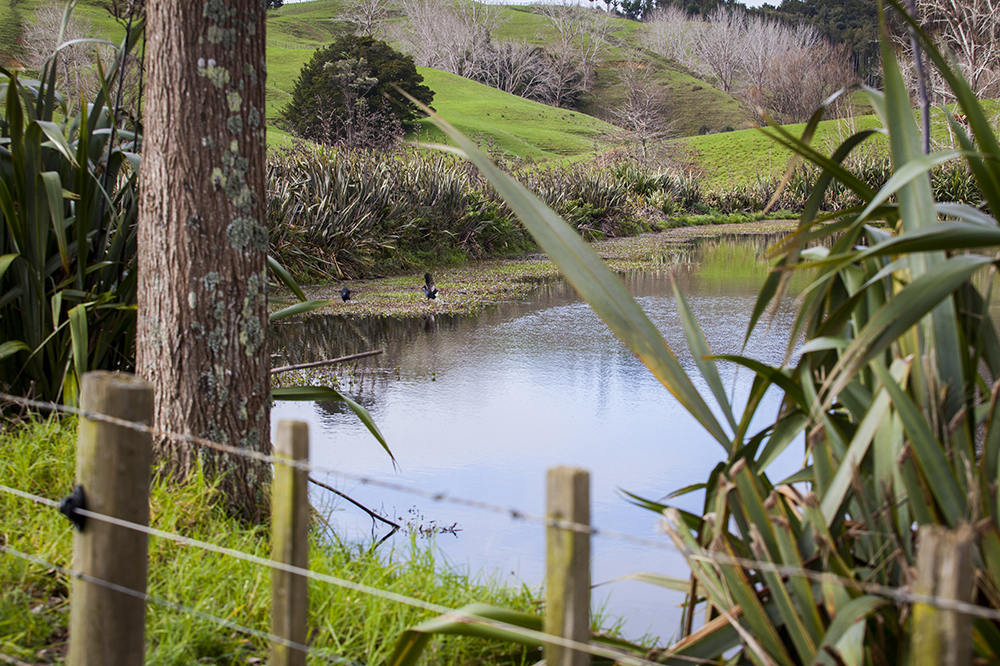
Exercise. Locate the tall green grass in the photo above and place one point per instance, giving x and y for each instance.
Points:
(38, 457)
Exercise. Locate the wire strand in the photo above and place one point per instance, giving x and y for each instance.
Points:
(173, 605)
(900, 594)
(458, 614)
(305, 466)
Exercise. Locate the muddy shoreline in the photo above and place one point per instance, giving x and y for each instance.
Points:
(468, 288)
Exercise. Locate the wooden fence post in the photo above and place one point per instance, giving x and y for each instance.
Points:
(290, 544)
(567, 586)
(112, 467)
(945, 569)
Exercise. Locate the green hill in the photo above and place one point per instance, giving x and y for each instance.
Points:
(511, 123)
(296, 30)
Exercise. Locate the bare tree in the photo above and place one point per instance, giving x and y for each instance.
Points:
(447, 34)
(77, 63)
(581, 36)
(720, 47)
(515, 67)
(671, 32)
(368, 15)
(798, 80)
(48, 39)
(765, 39)
(643, 112)
(970, 30)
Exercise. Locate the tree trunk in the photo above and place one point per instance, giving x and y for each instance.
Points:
(202, 329)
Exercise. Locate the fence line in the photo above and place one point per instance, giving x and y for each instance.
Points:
(181, 608)
(596, 650)
(514, 514)
(897, 594)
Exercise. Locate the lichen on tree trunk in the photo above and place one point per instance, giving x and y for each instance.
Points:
(202, 329)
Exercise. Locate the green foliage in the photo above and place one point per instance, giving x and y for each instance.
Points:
(355, 75)
(349, 213)
(890, 382)
(68, 196)
(38, 457)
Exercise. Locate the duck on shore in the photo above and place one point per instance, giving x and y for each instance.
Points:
(429, 289)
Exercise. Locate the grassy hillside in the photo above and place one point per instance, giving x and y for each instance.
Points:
(693, 104)
(514, 124)
(296, 30)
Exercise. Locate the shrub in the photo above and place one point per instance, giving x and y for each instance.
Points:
(345, 94)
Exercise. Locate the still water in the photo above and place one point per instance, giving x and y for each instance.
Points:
(479, 407)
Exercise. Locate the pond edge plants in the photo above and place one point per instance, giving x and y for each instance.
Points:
(890, 383)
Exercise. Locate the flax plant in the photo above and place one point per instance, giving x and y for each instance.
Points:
(890, 393)
(68, 195)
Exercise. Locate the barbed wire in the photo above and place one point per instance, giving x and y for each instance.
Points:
(898, 595)
(174, 606)
(305, 466)
(458, 614)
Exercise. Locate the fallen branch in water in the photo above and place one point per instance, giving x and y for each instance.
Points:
(355, 503)
(332, 361)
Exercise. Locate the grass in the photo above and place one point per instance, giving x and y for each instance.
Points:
(732, 158)
(513, 124)
(296, 30)
(739, 157)
(38, 457)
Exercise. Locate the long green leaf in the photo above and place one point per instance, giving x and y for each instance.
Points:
(318, 393)
(595, 283)
(5, 262)
(702, 355)
(52, 185)
(878, 410)
(928, 452)
(11, 347)
(298, 308)
(286, 278)
(79, 337)
(57, 140)
(852, 614)
(902, 312)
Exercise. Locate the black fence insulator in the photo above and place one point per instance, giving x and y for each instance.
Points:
(69, 505)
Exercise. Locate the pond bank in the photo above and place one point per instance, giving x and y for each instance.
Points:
(469, 288)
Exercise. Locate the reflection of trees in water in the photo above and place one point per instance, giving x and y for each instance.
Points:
(725, 264)
(320, 337)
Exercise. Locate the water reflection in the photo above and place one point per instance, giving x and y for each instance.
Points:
(480, 407)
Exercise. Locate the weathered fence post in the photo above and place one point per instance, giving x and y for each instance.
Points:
(290, 544)
(567, 586)
(945, 569)
(112, 467)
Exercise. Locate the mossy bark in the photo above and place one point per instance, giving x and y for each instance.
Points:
(203, 239)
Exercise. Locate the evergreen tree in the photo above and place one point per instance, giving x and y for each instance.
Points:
(351, 82)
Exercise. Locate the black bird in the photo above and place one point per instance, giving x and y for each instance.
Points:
(345, 294)
(429, 289)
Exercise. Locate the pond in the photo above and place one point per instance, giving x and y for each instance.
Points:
(478, 407)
